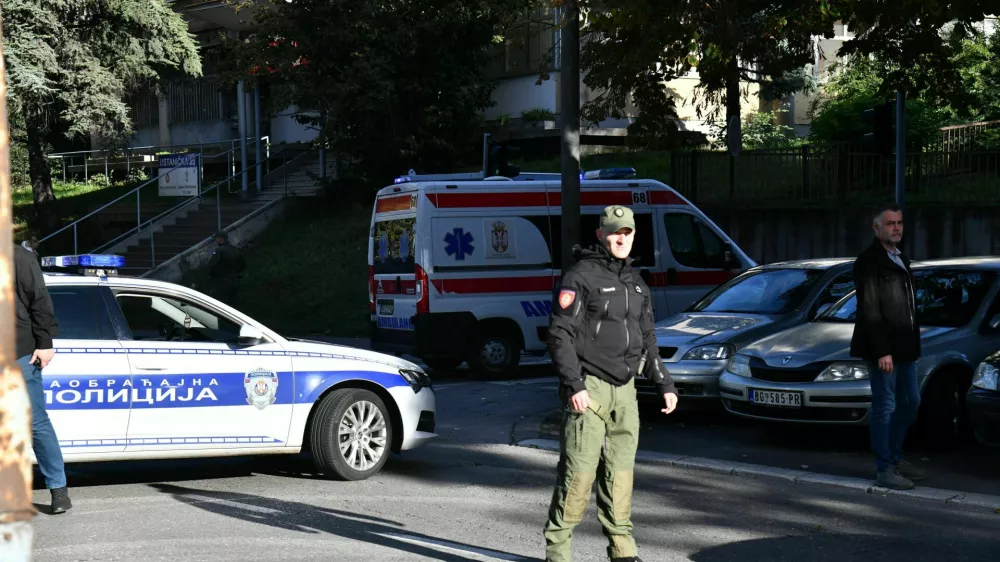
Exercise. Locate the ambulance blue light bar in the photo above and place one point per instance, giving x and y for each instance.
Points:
(84, 260)
(609, 174)
(401, 179)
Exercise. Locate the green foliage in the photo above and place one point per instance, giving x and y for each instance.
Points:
(635, 46)
(99, 180)
(760, 131)
(389, 85)
(537, 114)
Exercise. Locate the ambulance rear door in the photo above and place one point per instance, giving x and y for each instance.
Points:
(392, 267)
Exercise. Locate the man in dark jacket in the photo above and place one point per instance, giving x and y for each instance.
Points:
(600, 338)
(886, 334)
(36, 327)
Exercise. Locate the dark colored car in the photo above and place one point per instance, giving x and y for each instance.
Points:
(983, 399)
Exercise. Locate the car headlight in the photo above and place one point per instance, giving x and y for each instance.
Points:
(739, 365)
(709, 352)
(986, 377)
(416, 379)
(844, 372)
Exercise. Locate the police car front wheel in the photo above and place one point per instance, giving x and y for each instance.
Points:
(351, 434)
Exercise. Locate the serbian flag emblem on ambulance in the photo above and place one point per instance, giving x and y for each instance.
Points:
(566, 298)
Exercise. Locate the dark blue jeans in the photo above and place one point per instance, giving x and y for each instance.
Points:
(895, 400)
(43, 435)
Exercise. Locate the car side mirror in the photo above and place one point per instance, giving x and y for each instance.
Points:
(250, 336)
(730, 261)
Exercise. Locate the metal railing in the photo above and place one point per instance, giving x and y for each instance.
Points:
(92, 221)
(108, 158)
(969, 137)
(148, 225)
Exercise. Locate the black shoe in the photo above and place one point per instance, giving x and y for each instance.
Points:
(60, 500)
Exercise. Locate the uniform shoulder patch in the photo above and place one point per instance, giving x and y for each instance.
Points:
(566, 297)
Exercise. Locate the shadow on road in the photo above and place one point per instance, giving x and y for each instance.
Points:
(304, 518)
(837, 547)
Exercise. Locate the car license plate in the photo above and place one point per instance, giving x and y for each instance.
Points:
(386, 308)
(775, 398)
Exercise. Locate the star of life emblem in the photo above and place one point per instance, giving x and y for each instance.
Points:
(261, 386)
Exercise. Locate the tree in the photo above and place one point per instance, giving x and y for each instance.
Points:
(72, 63)
(635, 46)
(389, 85)
(917, 39)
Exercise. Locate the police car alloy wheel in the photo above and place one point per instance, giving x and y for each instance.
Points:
(351, 434)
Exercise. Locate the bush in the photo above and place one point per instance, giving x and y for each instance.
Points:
(761, 131)
(537, 114)
(99, 180)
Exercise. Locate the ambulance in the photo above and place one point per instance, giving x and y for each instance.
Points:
(461, 267)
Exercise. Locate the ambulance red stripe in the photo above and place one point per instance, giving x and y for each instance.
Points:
(541, 199)
(545, 283)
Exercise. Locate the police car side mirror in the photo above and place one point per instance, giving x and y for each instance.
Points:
(250, 336)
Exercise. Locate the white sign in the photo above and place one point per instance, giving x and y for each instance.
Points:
(180, 175)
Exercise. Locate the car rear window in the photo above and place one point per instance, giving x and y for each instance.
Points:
(393, 246)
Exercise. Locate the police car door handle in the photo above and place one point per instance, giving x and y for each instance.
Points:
(141, 368)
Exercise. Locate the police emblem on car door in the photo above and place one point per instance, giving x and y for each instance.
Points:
(261, 386)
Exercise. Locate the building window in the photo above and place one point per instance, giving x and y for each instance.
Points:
(530, 46)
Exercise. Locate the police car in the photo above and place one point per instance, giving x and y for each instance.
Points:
(146, 369)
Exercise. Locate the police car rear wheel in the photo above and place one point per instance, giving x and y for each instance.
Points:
(351, 434)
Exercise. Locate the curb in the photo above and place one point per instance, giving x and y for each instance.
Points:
(950, 497)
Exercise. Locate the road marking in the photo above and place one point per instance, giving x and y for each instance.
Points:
(481, 553)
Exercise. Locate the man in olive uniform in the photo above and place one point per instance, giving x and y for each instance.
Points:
(225, 268)
(600, 338)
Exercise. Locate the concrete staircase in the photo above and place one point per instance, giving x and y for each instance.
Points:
(196, 223)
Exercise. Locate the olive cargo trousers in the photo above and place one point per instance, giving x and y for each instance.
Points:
(607, 433)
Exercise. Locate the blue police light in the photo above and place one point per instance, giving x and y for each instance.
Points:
(610, 174)
(84, 260)
(401, 179)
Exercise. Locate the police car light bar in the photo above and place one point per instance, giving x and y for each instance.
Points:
(609, 174)
(85, 260)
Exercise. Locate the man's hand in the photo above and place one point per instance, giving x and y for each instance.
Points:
(43, 355)
(671, 400)
(885, 363)
(580, 401)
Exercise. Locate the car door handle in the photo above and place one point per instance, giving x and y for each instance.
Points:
(141, 368)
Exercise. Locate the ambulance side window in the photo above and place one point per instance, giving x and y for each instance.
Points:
(693, 243)
(81, 313)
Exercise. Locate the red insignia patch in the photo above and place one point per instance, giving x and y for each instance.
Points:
(566, 297)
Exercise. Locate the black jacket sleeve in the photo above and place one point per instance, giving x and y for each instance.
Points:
(569, 308)
(654, 369)
(869, 308)
(44, 327)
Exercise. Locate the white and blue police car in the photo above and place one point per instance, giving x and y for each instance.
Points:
(146, 369)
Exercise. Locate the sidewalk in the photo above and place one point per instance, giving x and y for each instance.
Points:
(964, 477)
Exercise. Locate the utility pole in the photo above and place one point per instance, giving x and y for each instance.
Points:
(569, 76)
(16, 509)
(901, 149)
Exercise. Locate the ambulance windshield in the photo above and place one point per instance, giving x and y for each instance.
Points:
(393, 247)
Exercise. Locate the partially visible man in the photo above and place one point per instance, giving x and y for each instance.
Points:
(36, 328)
(887, 336)
(225, 268)
(601, 337)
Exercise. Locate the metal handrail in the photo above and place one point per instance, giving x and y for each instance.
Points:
(135, 148)
(141, 186)
(138, 228)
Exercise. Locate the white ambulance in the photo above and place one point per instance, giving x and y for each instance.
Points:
(461, 267)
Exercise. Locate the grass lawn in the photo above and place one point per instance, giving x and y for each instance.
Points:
(307, 272)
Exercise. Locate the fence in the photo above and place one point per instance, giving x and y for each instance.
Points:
(971, 136)
(831, 174)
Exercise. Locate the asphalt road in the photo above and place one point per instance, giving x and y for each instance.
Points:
(472, 496)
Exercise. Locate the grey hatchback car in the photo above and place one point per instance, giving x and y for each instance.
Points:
(806, 373)
(696, 343)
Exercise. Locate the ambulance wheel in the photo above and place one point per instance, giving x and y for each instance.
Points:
(497, 351)
(351, 434)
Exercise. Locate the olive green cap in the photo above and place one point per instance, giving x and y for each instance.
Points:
(616, 217)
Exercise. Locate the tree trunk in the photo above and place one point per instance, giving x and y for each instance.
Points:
(41, 177)
(733, 91)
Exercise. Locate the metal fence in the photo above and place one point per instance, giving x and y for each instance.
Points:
(834, 173)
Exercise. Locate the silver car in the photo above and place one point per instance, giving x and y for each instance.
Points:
(806, 373)
(696, 344)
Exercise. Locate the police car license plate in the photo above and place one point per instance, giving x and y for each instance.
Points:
(386, 308)
(775, 398)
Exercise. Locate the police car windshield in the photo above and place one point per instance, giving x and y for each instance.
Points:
(775, 291)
